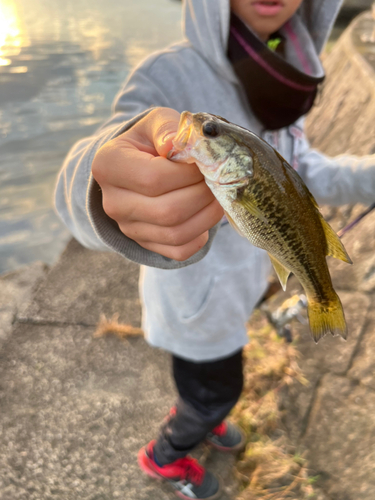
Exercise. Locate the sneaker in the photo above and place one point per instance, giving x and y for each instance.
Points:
(186, 475)
(226, 437)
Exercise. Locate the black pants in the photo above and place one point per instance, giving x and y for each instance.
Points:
(207, 393)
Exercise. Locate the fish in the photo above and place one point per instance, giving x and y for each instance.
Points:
(267, 202)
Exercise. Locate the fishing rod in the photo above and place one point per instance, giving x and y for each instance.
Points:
(345, 229)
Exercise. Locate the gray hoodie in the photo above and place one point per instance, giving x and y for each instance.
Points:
(198, 312)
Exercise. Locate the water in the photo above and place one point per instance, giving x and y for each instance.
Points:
(61, 64)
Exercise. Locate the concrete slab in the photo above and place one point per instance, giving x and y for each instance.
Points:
(330, 355)
(330, 123)
(333, 354)
(341, 438)
(363, 366)
(85, 284)
(16, 291)
(360, 244)
(74, 412)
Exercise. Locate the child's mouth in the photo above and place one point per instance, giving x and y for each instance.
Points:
(267, 7)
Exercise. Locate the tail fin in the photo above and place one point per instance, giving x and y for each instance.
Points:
(327, 317)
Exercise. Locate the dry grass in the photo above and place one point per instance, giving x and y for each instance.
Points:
(269, 469)
(113, 327)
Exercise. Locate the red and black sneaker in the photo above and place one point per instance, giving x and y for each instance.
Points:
(226, 437)
(186, 475)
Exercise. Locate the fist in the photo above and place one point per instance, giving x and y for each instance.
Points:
(165, 207)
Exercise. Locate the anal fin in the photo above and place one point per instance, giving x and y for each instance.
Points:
(281, 271)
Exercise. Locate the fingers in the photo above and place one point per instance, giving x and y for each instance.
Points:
(128, 168)
(178, 253)
(131, 160)
(176, 235)
(170, 209)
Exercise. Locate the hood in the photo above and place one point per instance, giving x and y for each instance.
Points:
(206, 25)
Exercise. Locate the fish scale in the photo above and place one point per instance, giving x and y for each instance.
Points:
(267, 202)
(278, 231)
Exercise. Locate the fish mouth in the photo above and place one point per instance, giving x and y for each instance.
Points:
(184, 132)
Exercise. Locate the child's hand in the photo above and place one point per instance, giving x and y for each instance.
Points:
(164, 206)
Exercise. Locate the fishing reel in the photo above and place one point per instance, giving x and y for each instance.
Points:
(282, 317)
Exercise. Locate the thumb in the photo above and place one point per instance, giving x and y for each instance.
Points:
(163, 129)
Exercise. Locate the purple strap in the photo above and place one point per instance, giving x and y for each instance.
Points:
(254, 55)
(300, 53)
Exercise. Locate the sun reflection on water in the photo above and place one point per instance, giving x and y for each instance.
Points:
(11, 36)
(61, 64)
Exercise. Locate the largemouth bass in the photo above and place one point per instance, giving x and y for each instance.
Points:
(266, 201)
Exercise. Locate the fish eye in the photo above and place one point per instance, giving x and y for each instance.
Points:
(211, 129)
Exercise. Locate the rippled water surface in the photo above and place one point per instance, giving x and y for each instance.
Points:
(61, 64)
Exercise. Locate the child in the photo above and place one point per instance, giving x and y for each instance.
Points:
(256, 64)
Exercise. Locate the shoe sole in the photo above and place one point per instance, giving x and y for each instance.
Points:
(143, 464)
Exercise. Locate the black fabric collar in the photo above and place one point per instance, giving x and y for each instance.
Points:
(278, 92)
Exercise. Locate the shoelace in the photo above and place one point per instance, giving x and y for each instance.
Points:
(192, 470)
(220, 430)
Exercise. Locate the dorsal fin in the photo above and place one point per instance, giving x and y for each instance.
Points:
(335, 248)
(298, 182)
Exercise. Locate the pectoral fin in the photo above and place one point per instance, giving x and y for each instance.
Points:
(249, 205)
(233, 224)
(281, 271)
(335, 248)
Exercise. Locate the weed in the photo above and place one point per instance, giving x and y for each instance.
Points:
(269, 469)
(112, 326)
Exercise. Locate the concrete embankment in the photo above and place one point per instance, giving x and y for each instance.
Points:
(333, 417)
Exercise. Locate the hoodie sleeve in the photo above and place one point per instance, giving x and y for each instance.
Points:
(78, 197)
(337, 180)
